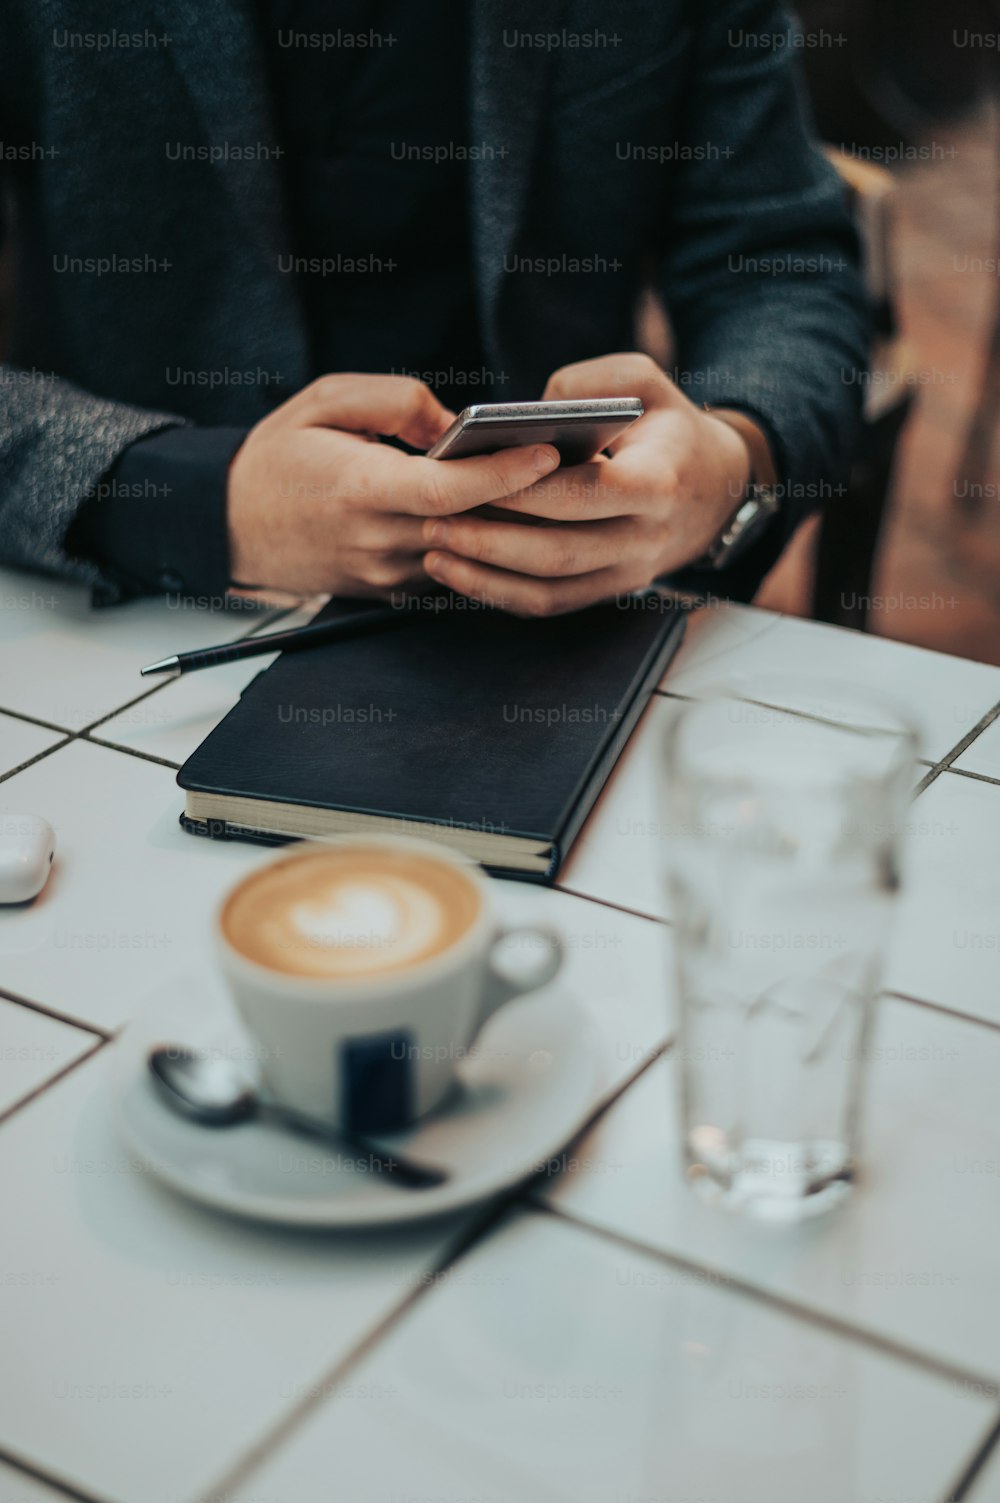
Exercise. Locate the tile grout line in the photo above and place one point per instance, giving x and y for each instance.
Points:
(935, 769)
(941, 1008)
(92, 725)
(38, 757)
(978, 777)
(962, 746)
(532, 1191)
(270, 616)
(827, 720)
(51, 1080)
(587, 897)
(233, 1479)
(843, 1329)
(980, 1456)
(31, 1469)
(810, 715)
(83, 734)
(130, 751)
(47, 725)
(53, 1013)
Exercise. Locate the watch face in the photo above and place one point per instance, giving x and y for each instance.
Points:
(755, 512)
(748, 523)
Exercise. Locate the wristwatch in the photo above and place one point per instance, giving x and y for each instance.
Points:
(761, 499)
(756, 510)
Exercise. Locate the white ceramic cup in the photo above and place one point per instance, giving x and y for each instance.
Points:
(374, 1053)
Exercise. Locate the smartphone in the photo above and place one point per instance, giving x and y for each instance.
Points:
(579, 430)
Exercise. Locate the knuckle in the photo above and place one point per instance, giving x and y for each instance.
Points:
(382, 573)
(640, 362)
(471, 542)
(374, 535)
(506, 478)
(416, 394)
(562, 557)
(327, 389)
(637, 369)
(400, 575)
(538, 601)
(354, 490)
(432, 492)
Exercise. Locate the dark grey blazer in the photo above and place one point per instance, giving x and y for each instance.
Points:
(674, 147)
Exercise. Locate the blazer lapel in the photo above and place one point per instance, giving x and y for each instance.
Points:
(216, 50)
(506, 101)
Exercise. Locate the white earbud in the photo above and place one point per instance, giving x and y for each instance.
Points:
(27, 846)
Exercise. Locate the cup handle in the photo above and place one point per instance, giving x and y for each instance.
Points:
(500, 987)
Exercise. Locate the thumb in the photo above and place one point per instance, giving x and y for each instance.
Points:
(392, 406)
(629, 374)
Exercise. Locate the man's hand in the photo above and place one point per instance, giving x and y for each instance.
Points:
(316, 503)
(673, 481)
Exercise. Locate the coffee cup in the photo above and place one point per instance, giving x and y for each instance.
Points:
(365, 968)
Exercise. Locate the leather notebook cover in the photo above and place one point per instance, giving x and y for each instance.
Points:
(471, 726)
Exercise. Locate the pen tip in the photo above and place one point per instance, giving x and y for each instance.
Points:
(165, 665)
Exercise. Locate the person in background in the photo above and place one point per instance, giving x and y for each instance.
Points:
(248, 241)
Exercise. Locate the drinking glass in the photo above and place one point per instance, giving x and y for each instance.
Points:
(784, 833)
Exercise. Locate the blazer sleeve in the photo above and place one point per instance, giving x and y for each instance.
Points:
(761, 273)
(56, 443)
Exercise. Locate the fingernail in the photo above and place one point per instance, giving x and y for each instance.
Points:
(432, 563)
(545, 459)
(434, 532)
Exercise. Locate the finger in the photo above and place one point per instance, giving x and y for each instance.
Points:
(440, 487)
(520, 593)
(584, 492)
(383, 532)
(391, 572)
(544, 552)
(401, 578)
(393, 406)
(627, 375)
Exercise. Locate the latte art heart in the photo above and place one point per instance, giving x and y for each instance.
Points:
(396, 920)
(350, 917)
(350, 913)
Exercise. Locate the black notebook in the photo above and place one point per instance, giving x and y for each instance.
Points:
(492, 734)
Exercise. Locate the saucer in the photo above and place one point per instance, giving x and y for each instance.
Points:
(524, 1090)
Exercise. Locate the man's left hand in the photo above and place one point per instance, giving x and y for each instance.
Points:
(664, 495)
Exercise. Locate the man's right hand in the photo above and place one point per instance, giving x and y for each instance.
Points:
(317, 504)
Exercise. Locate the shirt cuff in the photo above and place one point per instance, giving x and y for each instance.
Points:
(156, 521)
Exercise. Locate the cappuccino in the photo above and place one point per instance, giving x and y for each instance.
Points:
(350, 912)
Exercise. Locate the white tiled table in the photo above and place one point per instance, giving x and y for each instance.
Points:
(600, 1337)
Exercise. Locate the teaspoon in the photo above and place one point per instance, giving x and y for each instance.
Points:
(216, 1093)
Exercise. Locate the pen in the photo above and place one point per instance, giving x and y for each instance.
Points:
(314, 635)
